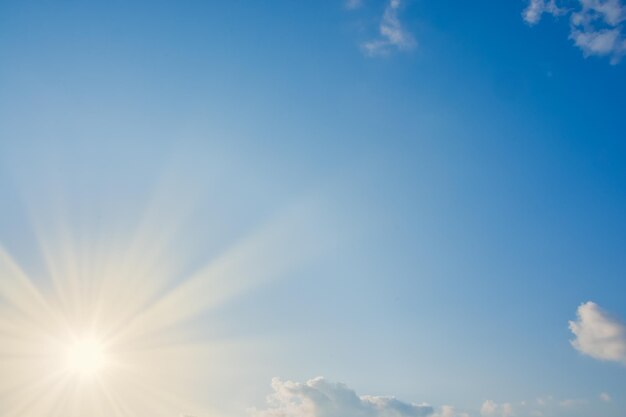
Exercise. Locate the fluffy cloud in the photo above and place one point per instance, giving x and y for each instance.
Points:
(605, 397)
(392, 34)
(321, 398)
(598, 334)
(595, 25)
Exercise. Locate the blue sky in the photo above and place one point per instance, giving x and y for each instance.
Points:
(457, 174)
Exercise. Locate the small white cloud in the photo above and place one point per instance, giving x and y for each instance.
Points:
(540, 407)
(598, 334)
(393, 35)
(449, 411)
(572, 403)
(595, 25)
(492, 409)
(446, 411)
(321, 398)
(603, 42)
(536, 8)
(605, 397)
(488, 408)
(353, 4)
(611, 11)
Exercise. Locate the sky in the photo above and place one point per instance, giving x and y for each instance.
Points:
(361, 208)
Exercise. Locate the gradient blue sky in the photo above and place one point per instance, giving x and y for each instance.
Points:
(471, 180)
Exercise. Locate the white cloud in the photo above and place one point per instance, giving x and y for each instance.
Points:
(601, 42)
(611, 11)
(353, 4)
(393, 35)
(572, 402)
(536, 8)
(595, 25)
(493, 409)
(321, 398)
(541, 407)
(506, 410)
(488, 408)
(449, 411)
(598, 334)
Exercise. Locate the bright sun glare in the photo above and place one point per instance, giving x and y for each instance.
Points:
(86, 357)
(110, 329)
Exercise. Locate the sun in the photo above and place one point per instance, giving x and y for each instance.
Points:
(86, 357)
(111, 327)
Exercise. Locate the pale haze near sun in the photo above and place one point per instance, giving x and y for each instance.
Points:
(107, 332)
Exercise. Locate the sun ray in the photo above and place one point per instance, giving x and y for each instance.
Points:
(17, 289)
(262, 256)
(106, 329)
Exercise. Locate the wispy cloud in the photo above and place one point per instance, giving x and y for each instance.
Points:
(599, 335)
(595, 25)
(536, 8)
(492, 409)
(449, 411)
(547, 406)
(353, 4)
(393, 36)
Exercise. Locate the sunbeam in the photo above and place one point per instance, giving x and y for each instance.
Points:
(107, 337)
